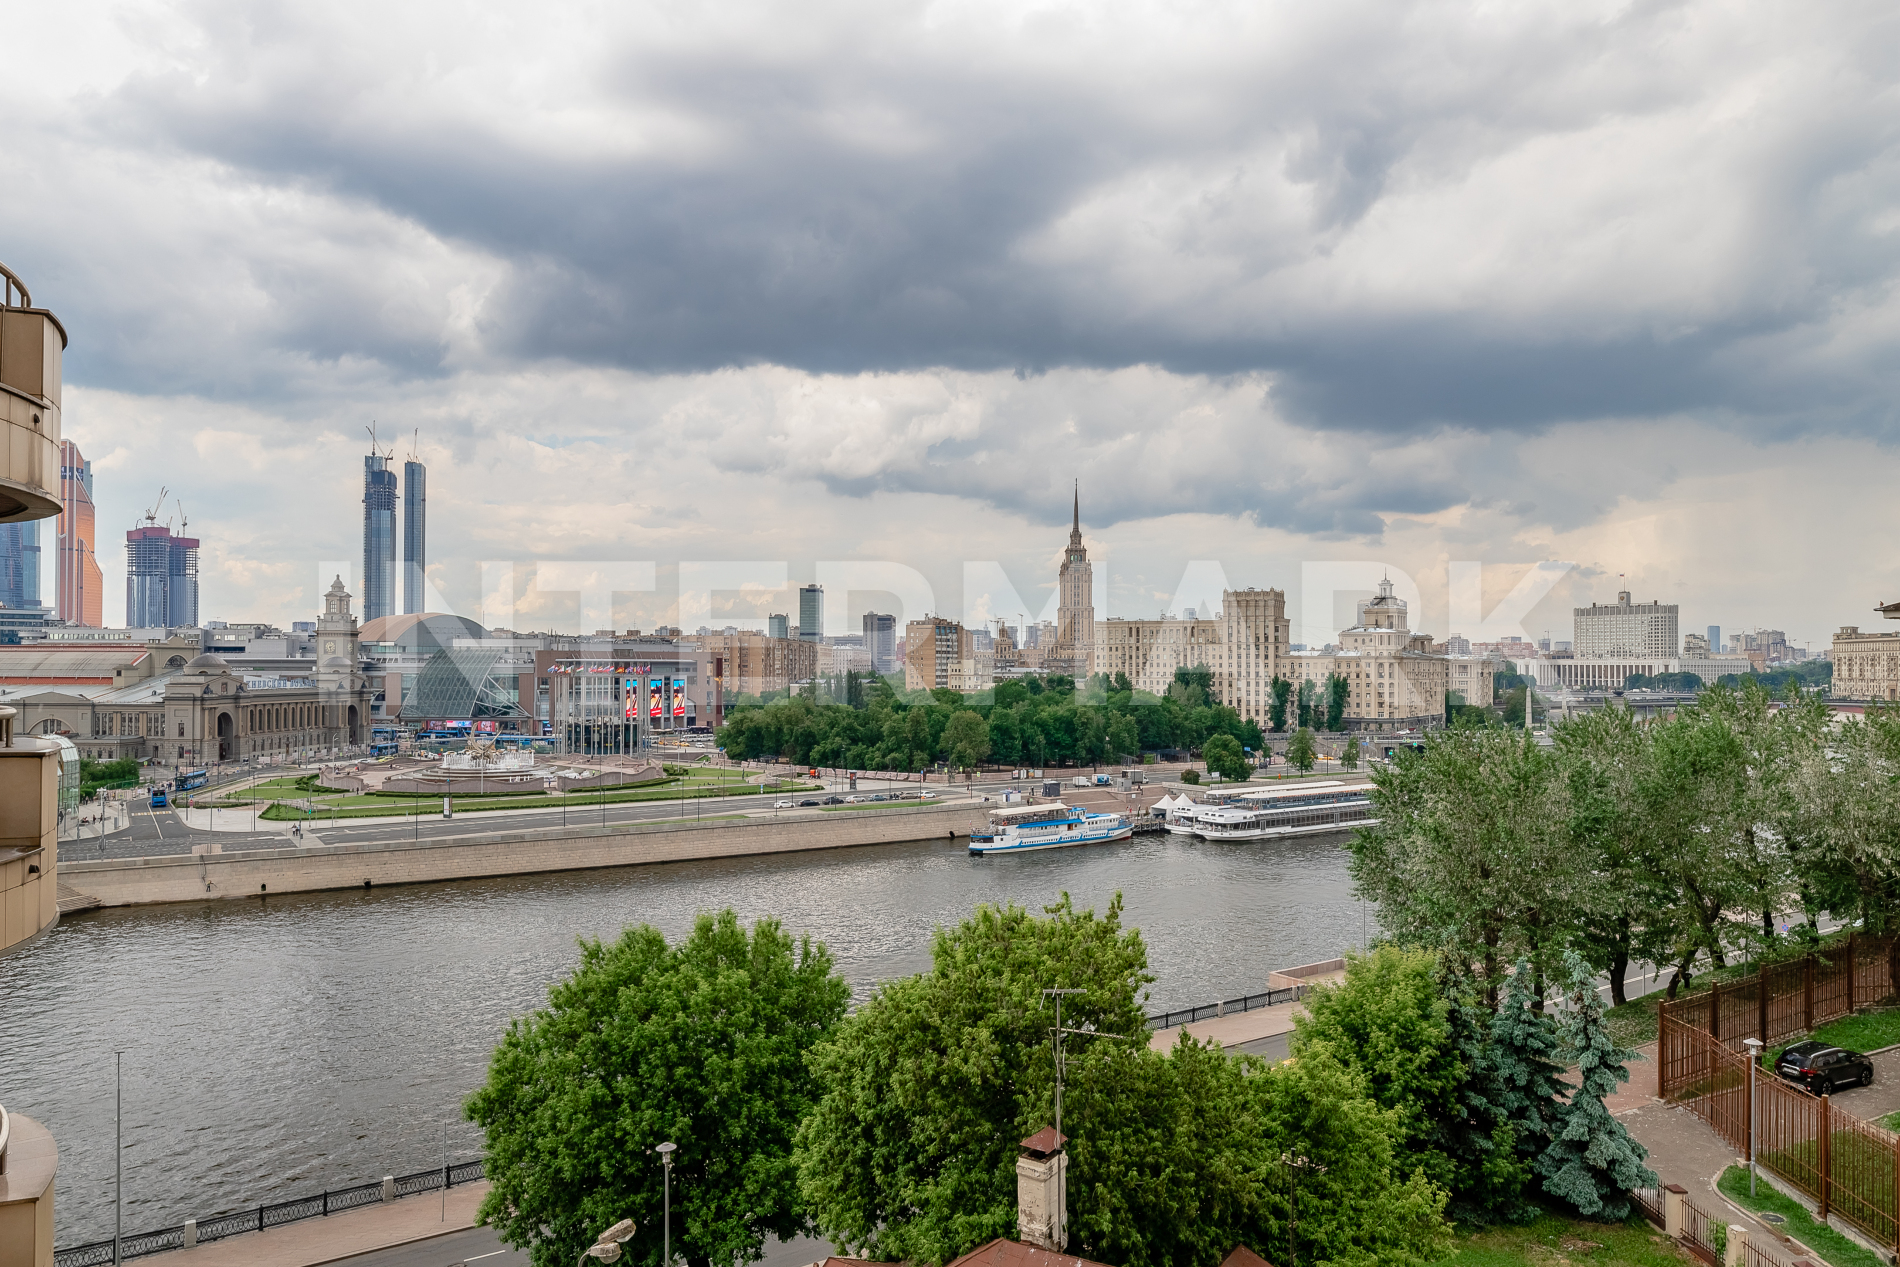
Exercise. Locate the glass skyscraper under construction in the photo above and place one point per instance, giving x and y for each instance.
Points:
(379, 538)
(415, 552)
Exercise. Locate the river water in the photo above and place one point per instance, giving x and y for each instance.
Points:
(276, 1047)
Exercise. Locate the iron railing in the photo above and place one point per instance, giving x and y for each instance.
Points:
(1650, 1202)
(270, 1214)
(1208, 1011)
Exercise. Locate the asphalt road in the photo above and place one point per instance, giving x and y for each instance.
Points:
(480, 1247)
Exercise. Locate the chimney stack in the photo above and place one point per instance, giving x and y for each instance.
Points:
(1042, 1205)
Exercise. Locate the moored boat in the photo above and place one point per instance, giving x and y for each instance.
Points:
(1020, 828)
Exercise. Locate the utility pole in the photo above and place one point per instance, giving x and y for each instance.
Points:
(1062, 1153)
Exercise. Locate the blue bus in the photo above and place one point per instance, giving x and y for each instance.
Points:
(191, 779)
(383, 748)
(159, 799)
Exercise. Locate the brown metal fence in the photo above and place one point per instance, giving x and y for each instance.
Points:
(1784, 1000)
(1698, 1232)
(1847, 1166)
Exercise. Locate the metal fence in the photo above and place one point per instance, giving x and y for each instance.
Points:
(1784, 1000)
(1701, 1234)
(1849, 1167)
(1226, 1007)
(268, 1215)
(1650, 1202)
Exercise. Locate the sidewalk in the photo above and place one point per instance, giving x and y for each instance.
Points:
(308, 1242)
(1682, 1147)
(249, 822)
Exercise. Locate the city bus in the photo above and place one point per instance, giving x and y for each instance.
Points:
(192, 779)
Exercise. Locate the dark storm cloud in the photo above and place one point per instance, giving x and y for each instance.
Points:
(861, 193)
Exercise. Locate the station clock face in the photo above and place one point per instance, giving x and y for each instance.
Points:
(329, 648)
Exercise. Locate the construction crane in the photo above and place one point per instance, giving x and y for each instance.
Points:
(151, 516)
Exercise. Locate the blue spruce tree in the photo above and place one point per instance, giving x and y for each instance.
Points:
(1593, 1163)
(1524, 1050)
(1478, 1135)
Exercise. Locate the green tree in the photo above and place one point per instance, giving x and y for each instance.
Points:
(1300, 753)
(703, 1043)
(1593, 1163)
(1349, 755)
(1387, 1021)
(1223, 756)
(928, 1086)
(1174, 1158)
(966, 740)
(1524, 1051)
(1338, 689)
(1277, 707)
(1478, 1136)
(1124, 737)
(1305, 704)
(1470, 854)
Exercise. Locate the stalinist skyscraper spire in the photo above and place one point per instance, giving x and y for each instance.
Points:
(1075, 611)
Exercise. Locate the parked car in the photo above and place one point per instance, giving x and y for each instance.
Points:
(854, 800)
(882, 797)
(1822, 1069)
(806, 802)
(781, 805)
(834, 800)
(930, 796)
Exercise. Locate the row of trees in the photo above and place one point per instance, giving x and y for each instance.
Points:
(1033, 721)
(893, 1131)
(1634, 841)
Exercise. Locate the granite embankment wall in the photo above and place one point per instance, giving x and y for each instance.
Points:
(195, 877)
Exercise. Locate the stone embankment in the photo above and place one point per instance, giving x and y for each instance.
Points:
(311, 868)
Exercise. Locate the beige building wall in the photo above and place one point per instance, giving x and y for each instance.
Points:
(26, 1193)
(756, 663)
(1395, 680)
(1242, 647)
(935, 655)
(29, 834)
(1866, 665)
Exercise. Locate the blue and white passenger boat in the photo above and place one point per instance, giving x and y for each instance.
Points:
(1020, 828)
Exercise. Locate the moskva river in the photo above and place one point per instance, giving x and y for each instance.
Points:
(277, 1047)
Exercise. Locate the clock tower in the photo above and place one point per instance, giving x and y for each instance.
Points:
(338, 676)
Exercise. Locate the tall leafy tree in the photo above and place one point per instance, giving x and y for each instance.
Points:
(966, 740)
(1848, 795)
(1337, 691)
(1593, 1163)
(1300, 753)
(1469, 854)
(1223, 756)
(1282, 693)
(704, 1044)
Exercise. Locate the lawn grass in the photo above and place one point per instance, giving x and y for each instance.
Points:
(1822, 1239)
(1554, 1240)
(392, 806)
(1863, 1031)
(1634, 1023)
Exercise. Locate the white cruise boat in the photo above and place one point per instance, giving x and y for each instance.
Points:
(1269, 813)
(1020, 828)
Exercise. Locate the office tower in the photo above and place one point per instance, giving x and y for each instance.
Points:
(1626, 628)
(1715, 640)
(379, 538)
(778, 625)
(415, 519)
(161, 578)
(880, 639)
(811, 613)
(78, 584)
(20, 565)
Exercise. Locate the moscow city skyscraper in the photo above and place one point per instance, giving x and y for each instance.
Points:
(415, 544)
(78, 583)
(379, 537)
(20, 565)
(161, 578)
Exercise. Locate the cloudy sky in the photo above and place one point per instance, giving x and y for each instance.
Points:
(1281, 284)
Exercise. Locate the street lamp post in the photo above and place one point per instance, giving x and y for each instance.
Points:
(666, 1152)
(1754, 1046)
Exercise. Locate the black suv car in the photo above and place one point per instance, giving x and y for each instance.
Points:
(1823, 1069)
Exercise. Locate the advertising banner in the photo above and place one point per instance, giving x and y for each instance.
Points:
(487, 727)
(653, 698)
(632, 696)
(679, 698)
